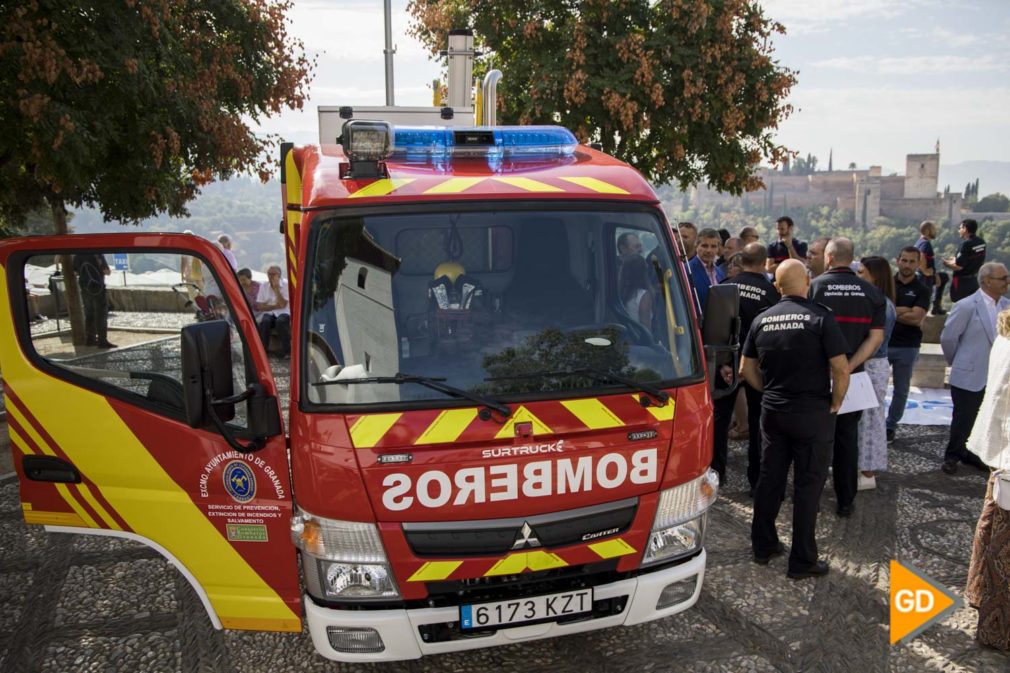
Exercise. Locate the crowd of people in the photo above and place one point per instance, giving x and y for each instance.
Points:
(813, 318)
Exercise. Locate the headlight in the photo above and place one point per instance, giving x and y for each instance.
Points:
(337, 540)
(679, 526)
(342, 560)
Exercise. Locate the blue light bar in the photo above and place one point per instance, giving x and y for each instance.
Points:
(437, 142)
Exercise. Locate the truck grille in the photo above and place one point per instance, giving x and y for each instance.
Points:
(499, 536)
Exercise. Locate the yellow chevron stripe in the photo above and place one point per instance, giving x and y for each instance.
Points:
(17, 441)
(593, 414)
(596, 185)
(612, 548)
(433, 571)
(54, 519)
(74, 505)
(522, 414)
(368, 430)
(381, 187)
(292, 259)
(449, 425)
(62, 489)
(663, 413)
(260, 624)
(514, 564)
(95, 505)
(453, 186)
(542, 560)
(529, 185)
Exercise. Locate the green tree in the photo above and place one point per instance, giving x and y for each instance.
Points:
(993, 203)
(130, 107)
(683, 90)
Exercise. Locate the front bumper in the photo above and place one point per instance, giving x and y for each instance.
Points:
(401, 638)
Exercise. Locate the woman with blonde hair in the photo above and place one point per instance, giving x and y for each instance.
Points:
(873, 422)
(989, 573)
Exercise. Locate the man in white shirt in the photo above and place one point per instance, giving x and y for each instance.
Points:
(272, 302)
(225, 242)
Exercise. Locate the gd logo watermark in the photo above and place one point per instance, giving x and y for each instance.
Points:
(917, 602)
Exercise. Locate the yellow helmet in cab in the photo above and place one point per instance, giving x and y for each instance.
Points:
(451, 270)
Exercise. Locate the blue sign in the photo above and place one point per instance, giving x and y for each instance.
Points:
(120, 262)
(239, 481)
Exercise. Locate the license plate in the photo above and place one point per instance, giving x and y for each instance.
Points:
(523, 610)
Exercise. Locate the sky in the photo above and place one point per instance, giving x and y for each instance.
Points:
(878, 79)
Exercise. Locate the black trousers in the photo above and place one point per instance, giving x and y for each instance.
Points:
(282, 324)
(966, 406)
(845, 459)
(938, 290)
(962, 286)
(96, 316)
(803, 440)
(723, 415)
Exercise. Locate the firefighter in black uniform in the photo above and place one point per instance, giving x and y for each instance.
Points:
(756, 294)
(860, 311)
(795, 352)
(970, 258)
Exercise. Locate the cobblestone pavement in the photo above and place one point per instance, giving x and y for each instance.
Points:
(77, 603)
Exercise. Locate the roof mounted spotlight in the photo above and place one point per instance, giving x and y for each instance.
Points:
(365, 144)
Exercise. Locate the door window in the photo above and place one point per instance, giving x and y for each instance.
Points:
(134, 306)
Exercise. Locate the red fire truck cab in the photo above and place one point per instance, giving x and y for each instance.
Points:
(499, 420)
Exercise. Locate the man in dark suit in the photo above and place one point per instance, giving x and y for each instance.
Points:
(704, 271)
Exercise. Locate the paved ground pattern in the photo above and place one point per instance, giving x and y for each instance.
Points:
(81, 603)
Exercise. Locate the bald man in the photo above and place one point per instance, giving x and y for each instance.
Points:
(794, 354)
(860, 310)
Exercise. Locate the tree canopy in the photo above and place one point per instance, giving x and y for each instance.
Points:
(130, 106)
(993, 203)
(684, 90)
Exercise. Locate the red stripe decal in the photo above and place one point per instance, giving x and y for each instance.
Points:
(47, 438)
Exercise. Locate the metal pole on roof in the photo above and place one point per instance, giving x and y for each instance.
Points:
(389, 51)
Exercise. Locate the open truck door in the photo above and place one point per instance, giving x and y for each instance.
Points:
(167, 430)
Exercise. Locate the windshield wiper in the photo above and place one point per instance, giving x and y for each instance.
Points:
(429, 382)
(660, 396)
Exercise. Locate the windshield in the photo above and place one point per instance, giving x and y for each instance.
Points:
(500, 303)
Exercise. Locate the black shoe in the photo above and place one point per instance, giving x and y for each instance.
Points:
(763, 560)
(106, 344)
(890, 436)
(819, 569)
(937, 310)
(844, 512)
(970, 458)
(949, 467)
(90, 342)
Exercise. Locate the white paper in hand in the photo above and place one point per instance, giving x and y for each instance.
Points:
(860, 394)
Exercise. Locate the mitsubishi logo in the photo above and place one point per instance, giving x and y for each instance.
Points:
(526, 538)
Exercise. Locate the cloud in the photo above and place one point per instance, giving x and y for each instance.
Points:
(915, 65)
(947, 38)
(880, 124)
(814, 16)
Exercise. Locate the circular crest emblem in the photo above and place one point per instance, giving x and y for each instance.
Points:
(239, 481)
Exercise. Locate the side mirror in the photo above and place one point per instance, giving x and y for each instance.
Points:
(208, 397)
(206, 372)
(720, 334)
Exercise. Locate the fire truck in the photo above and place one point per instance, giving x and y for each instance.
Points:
(499, 419)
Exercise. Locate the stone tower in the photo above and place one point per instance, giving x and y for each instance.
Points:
(922, 174)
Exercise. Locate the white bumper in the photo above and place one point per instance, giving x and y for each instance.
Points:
(402, 640)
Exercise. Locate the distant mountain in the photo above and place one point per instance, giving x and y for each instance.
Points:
(993, 176)
(245, 209)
